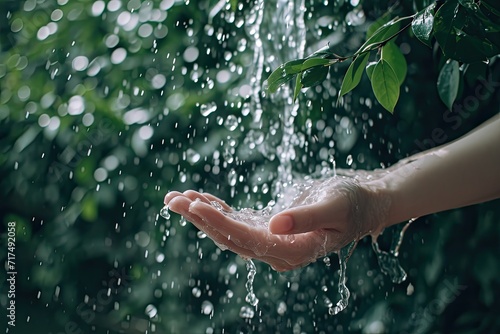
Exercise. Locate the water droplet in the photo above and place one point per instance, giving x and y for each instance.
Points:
(160, 257)
(246, 312)
(251, 298)
(164, 212)
(232, 178)
(192, 156)
(410, 289)
(388, 261)
(207, 307)
(349, 160)
(231, 123)
(217, 205)
(207, 109)
(196, 292)
(344, 255)
(142, 238)
(282, 308)
(151, 311)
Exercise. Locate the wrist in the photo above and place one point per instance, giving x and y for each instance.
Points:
(379, 208)
(383, 197)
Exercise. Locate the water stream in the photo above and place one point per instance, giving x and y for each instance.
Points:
(388, 261)
(277, 33)
(344, 292)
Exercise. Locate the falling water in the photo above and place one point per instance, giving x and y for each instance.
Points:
(252, 26)
(273, 43)
(246, 311)
(388, 261)
(164, 212)
(128, 88)
(277, 33)
(251, 298)
(344, 293)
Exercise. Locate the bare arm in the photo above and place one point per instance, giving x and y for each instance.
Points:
(461, 173)
(332, 212)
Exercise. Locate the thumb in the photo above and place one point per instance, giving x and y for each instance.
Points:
(305, 219)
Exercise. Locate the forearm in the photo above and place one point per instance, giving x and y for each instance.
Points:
(461, 173)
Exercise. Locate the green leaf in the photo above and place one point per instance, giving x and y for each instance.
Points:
(313, 62)
(385, 85)
(377, 24)
(422, 24)
(369, 69)
(353, 74)
(462, 35)
(314, 76)
(483, 29)
(493, 5)
(421, 4)
(324, 52)
(314, 71)
(89, 209)
(448, 82)
(447, 19)
(392, 54)
(286, 71)
(489, 19)
(283, 74)
(383, 34)
(469, 4)
(298, 87)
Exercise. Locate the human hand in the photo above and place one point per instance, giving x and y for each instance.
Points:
(324, 216)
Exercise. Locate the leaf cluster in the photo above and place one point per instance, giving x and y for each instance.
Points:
(465, 30)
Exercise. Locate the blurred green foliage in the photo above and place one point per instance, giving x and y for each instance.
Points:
(106, 106)
(465, 31)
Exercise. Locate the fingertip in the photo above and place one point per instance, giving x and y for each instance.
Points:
(199, 208)
(194, 204)
(179, 204)
(281, 224)
(169, 196)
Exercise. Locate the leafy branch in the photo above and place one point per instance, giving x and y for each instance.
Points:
(466, 31)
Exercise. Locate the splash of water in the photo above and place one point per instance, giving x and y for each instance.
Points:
(164, 212)
(388, 261)
(274, 43)
(344, 254)
(251, 298)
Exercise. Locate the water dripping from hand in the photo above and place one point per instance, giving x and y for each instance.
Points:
(246, 311)
(388, 261)
(251, 298)
(164, 212)
(344, 255)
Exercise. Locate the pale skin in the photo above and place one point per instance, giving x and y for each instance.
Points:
(333, 212)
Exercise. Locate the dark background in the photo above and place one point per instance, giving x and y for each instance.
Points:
(89, 148)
